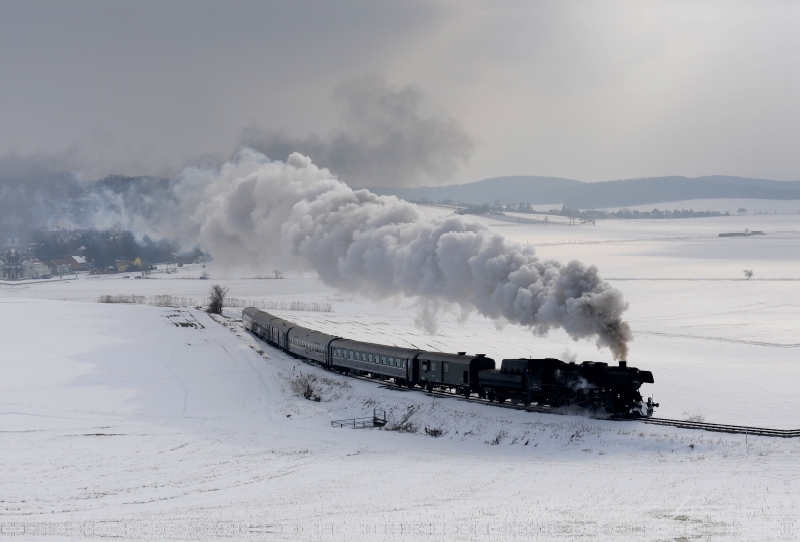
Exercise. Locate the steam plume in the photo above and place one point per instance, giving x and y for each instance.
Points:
(385, 137)
(255, 211)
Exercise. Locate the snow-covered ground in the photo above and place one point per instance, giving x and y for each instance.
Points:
(157, 423)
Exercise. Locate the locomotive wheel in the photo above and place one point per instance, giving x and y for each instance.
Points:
(552, 400)
(467, 393)
(491, 396)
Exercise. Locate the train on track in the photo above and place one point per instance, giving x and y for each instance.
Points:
(547, 381)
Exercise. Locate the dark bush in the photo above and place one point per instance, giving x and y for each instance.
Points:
(216, 298)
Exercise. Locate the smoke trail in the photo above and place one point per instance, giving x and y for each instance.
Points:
(255, 211)
(386, 136)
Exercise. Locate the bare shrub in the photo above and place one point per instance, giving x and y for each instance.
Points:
(434, 432)
(216, 298)
(405, 425)
(304, 385)
(137, 299)
(695, 416)
(500, 437)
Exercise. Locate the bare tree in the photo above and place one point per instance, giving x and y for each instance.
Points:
(278, 274)
(216, 299)
(748, 274)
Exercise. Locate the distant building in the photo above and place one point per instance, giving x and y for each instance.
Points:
(12, 265)
(78, 263)
(128, 265)
(35, 269)
(60, 267)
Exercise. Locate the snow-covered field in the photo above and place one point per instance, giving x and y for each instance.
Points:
(116, 420)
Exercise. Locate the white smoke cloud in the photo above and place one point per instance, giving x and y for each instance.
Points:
(257, 212)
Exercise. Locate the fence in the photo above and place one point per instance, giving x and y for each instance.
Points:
(231, 302)
(234, 302)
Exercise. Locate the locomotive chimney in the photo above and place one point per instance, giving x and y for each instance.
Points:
(623, 363)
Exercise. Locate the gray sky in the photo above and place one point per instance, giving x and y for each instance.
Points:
(585, 90)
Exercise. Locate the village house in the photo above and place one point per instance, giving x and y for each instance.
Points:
(78, 263)
(12, 265)
(60, 267)
(35, 269)
(128, 265)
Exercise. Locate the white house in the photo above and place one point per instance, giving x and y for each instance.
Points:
(35, 269)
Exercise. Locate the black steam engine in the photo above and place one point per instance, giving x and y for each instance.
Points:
(548, 381)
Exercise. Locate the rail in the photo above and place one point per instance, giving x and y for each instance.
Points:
(721, 428)
(682, 424)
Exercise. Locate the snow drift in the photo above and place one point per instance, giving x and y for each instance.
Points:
(257, 212)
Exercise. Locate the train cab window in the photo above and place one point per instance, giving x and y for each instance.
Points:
(445, 366)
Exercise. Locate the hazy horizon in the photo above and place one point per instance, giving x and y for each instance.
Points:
(405, 93)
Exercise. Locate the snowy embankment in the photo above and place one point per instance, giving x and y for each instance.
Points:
(158, 423)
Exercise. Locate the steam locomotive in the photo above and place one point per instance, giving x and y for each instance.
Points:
(548, 381)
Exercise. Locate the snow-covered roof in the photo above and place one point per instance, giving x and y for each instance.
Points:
(79, 259)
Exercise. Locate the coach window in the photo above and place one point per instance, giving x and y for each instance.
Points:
(446, 366)
(433, 366)
(351, 354)
(391, 362)
(370, 358)
(383, 360)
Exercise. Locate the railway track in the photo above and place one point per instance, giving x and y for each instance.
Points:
(681, 424)
(720, 428)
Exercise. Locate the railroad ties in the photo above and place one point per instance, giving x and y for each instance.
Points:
(720, 428)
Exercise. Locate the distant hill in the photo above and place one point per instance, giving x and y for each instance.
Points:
(580, 195)
(507, 189)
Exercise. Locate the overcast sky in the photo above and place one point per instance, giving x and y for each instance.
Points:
(585, 90)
